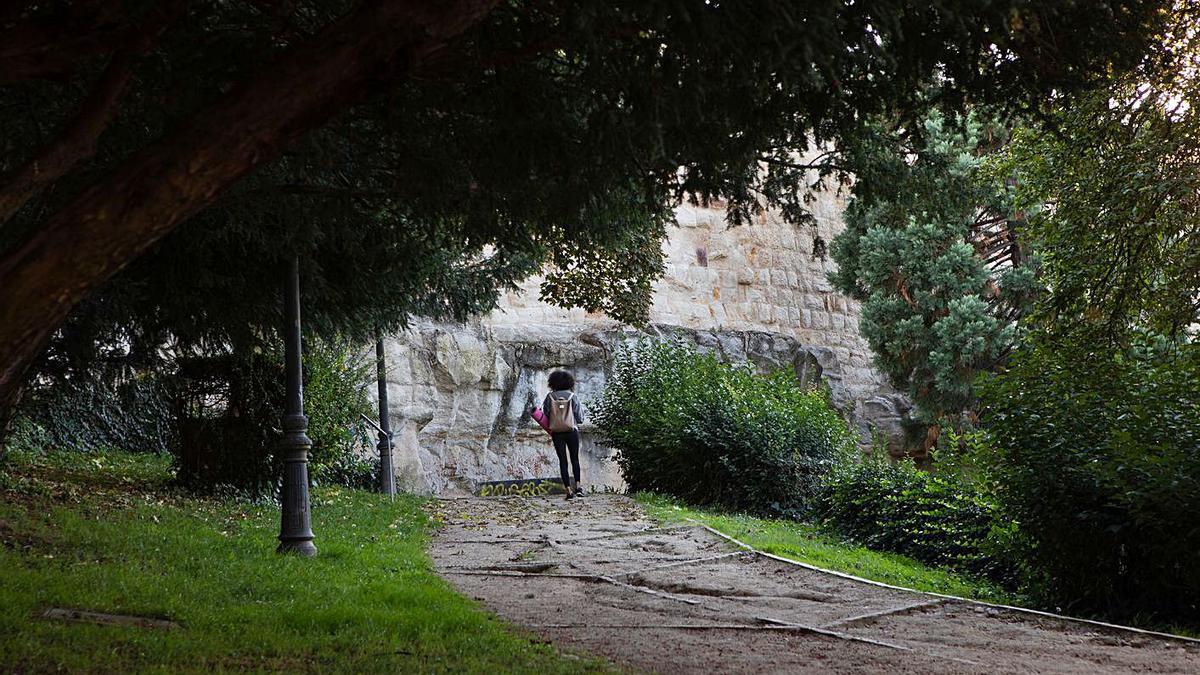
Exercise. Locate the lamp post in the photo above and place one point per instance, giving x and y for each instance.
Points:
(387, 474)
(295, 530)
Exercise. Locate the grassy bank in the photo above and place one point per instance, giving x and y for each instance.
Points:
(104, 532)
(806, 543)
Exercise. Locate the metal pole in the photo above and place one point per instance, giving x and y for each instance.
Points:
(295, 530)
(387, 474)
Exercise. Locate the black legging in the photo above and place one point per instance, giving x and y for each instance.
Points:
(562, 441)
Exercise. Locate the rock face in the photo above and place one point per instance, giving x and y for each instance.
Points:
(459, 394)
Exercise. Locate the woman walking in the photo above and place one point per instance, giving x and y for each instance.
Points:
(564, 413)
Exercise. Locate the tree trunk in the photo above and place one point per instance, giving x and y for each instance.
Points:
(117, 219)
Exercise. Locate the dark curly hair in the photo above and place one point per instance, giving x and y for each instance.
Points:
(561, 380)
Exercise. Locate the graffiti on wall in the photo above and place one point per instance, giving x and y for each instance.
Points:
(525, 487)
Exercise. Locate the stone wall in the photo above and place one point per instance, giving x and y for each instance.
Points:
(459, 393)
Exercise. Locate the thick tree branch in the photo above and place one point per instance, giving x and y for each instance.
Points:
(75, 143)
(114, 221)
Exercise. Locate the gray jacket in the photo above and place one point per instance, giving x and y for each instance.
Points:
(560, 395)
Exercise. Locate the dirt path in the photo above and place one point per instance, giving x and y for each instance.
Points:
(597, 575)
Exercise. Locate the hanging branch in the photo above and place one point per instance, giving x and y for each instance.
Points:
(78, 138)
(75, 143)
(154, 191)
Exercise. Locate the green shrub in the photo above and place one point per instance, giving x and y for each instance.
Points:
(1099, 461)
(337, 377)
(687, 425)
(229, 410)
(350, 470)
(23, 437)
(941, 518)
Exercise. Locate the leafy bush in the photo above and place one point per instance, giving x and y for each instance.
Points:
(23, 437)
(337, 378)
(1099, 461)
(350, 470)
(218, 415)
(229, 412)
(687, 425)
(227, 409)
(941, 518)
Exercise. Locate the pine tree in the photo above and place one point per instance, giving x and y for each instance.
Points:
(929, 250)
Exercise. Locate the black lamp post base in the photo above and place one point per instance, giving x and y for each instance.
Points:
(387, 476)
(295, 529)
(301, 547)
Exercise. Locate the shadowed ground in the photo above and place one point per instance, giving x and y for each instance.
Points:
(596, 574)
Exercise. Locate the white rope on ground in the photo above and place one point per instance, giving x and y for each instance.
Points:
(474, 572)
(633, 533)
(530, 566)
(981, 603)
(678, 563)
(501, 540)
(582, 577)
(871, 616)
(775, 626)
(651, 591)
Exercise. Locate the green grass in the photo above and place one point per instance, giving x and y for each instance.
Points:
(806, 543)
(104, 532)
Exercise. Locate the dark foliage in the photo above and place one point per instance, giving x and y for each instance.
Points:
(1111, 190)
(103, 410)
(940, 518)
(1098, 459)
(228, 409)
(218, 416)
(557, 133)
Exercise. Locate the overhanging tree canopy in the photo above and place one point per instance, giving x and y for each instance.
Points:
(1113, 189)
(1102, 190)
(537, 130)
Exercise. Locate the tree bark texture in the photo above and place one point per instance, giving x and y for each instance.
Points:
(114, 221)
(75, 143)
(54, 46)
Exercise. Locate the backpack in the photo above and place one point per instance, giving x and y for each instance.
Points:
(562, 413)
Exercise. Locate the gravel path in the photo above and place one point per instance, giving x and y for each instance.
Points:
(595, 574)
